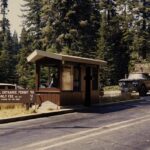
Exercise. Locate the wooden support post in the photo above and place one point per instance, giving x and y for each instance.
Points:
(37, 76)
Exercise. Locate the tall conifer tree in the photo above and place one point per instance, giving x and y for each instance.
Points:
(32, 13)
(112, 44)
(25, 70)
(72, 26)
(141, 41)
(7, 61)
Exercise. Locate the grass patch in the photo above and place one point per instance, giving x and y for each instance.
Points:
(11, 110)
(10, 106)
(118, 98)
(112, 88)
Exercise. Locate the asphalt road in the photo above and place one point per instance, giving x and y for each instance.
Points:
(123, 126)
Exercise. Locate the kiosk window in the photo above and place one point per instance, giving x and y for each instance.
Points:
(77, 79)
(95, 79)
(67, 79)
(49, 77)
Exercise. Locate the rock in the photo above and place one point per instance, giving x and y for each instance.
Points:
(47, 106)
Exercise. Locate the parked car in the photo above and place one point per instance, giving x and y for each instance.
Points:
(7, 86)
(139, 82)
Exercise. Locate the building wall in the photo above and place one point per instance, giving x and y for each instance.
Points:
(54, 97)
(71, 98)
(77, 98)
(95, 97)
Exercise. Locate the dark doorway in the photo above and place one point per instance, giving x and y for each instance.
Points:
(88, 79)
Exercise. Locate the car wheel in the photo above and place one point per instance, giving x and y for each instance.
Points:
(142, 91)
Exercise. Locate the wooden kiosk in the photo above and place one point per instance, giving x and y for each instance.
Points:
(66, 80)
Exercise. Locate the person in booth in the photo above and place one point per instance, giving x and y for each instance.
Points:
(54, 81)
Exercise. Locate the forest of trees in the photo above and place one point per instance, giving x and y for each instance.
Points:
(117, 31)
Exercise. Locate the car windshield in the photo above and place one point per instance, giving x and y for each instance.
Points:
(136, 76)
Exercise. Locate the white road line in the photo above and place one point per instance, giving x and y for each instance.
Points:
(85, 134)
(90, 135)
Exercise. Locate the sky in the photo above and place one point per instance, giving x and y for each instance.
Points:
(14, 7)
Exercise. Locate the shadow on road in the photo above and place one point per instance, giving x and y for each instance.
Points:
(116, 107)
(74, 122)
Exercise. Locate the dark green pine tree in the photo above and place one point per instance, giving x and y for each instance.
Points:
(32, 13)
(15, 49)
(141, 42)
(15, 43)
(112, 44)
(25, 70)
(3, 22)
(126, 17)
(7, 61)
(102, 44)
(73, 27)
(47, 18)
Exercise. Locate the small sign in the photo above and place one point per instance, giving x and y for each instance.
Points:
(17, 96)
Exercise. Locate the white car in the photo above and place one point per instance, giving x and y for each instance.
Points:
(139, 82)
(7, 86)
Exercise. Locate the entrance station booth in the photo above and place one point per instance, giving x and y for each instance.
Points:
(66, 80)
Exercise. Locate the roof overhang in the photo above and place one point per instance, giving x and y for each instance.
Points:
(38, 54)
